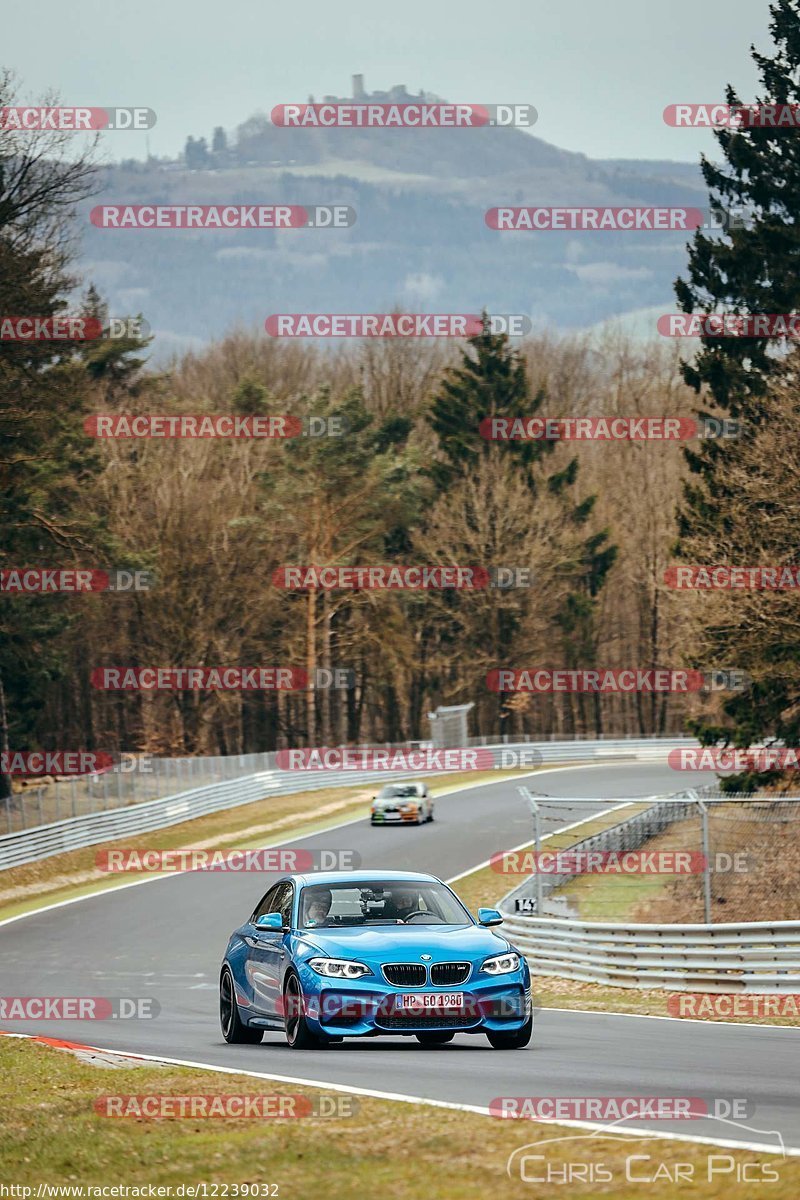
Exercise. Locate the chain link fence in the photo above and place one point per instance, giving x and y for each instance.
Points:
(140, 777)
(697, 856)
(137, 779)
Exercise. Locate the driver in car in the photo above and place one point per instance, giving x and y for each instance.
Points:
(404, 902)
(318, 907)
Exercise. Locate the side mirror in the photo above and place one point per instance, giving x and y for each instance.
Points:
(489, 916)
(270, 921)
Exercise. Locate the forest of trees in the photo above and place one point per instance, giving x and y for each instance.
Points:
(410, 482)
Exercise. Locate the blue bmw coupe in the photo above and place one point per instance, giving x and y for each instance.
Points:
(359, 954)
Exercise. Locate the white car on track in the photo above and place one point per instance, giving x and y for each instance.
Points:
(402, 804)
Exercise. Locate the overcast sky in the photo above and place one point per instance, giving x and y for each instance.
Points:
(599, 74)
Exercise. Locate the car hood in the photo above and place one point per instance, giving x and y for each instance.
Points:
(394, 801)
(404, 943)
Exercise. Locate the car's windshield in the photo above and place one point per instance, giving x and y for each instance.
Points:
(394, 790)
(379, 902)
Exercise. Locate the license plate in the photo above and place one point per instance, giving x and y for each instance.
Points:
(418, 1002)
(391, 816)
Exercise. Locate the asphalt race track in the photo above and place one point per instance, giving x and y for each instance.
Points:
(165, 939)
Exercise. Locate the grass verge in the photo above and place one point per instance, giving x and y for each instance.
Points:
(765, 888)
(51, 1134)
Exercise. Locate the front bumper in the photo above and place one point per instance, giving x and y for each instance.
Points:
(396, 818)
(364, 1007)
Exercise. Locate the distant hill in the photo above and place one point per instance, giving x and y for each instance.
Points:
(420, 240)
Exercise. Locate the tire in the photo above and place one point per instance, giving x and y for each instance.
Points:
(434, 1038)
(234, 1030)
(514, 1040)
(430, 814)
(298, 1035)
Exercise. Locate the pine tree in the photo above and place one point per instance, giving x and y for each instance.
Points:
(753, 268)
(491, 381)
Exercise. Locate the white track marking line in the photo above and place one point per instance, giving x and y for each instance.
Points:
(480, 1110)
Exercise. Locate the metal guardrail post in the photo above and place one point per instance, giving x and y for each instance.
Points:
(706, 862)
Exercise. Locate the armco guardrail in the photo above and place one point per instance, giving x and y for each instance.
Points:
(43, 841)
(756, 956)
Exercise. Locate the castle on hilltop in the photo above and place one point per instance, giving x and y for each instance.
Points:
(399, 94)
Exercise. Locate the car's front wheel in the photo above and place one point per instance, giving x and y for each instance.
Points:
(513, 1040)
(298, 1035)
(234, 1029)
(434, 1038)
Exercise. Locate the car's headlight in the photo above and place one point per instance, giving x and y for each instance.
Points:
(501, 964)
(339, 968)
